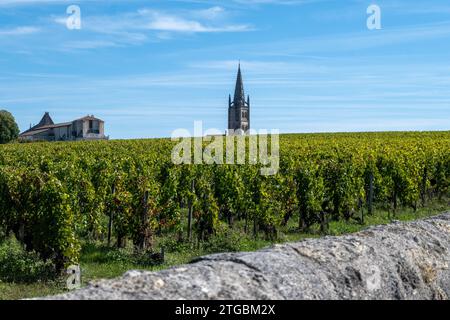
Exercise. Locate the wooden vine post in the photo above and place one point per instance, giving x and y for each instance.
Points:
(190, 210)
(370, 200)
(111, 218)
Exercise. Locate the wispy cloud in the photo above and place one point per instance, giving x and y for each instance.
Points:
(162, 21)
(281, 2)
(12, 3)
(93, 44)
(19, 31)
(219, 2)
(339, 43)
(140, 26)
(254, 2)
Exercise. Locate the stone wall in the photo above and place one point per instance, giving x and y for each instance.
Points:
(396, 261)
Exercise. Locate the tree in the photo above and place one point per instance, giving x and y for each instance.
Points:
(8, 127)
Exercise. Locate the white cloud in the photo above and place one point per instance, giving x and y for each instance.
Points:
(150, 19)
(345, 42)
(148, 24)
(93, 44)
(162, 21)
(176, 24)
(18, 31)
(211, 13)
(11, 3)
(254, 2)
(283, 2)
(126, 28)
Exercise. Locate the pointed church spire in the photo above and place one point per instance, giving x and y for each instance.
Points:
(239, 96)
(239, 109)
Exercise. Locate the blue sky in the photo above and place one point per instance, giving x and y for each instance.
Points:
(150, 67)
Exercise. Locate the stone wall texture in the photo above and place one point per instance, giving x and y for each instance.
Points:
(395, 261)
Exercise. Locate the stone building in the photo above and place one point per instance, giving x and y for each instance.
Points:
(239, 109)
(86, 128)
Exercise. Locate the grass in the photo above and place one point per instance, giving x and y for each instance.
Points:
(101, 262)
(14, 291)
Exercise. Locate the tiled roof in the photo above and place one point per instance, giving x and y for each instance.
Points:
(33, 132)
(65, 124)
(47, 123)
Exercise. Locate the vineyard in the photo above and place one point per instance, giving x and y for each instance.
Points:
(54, 195)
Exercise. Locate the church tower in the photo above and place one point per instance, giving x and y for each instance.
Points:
(239, 108)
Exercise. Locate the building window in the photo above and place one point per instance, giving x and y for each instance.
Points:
(91, 124)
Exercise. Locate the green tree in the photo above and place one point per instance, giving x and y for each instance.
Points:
(8, 127)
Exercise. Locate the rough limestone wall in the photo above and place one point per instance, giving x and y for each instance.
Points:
(396, 261)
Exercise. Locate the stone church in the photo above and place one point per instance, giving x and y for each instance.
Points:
(239, 109)
(86, 128)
